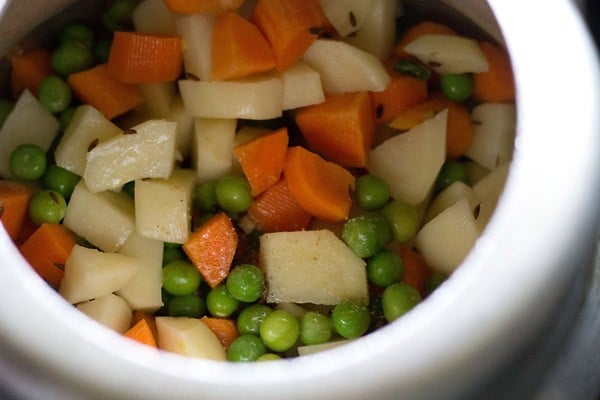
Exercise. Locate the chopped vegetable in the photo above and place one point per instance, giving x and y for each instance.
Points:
(497, 84)
(224, 329)
(14, 203)
(28, 70)
(202, 6)
(142, 332)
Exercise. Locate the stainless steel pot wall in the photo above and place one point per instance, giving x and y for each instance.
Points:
(541, 237)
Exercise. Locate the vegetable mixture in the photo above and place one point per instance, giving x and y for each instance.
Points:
(251, 180)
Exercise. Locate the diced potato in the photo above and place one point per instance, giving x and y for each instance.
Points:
(301, 86)
(489, 189)
(449, 196)
(90, 274)
(105, 219)
(111, 311)
(311, 267)
(189, 337)
(28, 123)
(153, 16)
(346, 16)
(345, 68)
(143, 292)
(196, 34)
(378, 33)
(258, 97)
(88, 128)
(212, 152)
(147, 152)
(158, 98)
(163, 207)
(185, 128)
(446, 240)
(475, 172)
(448, 54)
(317, 348)
(493, 134)
(410, 162)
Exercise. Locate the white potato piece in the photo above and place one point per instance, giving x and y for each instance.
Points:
(489, 189)
(301, 86)
(189, 337)
(448, 54)
(345, 68)
(446, 240)
(449, 196)
(196, 35)
(105, 219)
(153, 16)
(346, 16)
(311, 267)
(317, 348)
(158, 98)
(28, 123)
(378, 32)
(90, 274)
(212, 151)
(410, 162)
(494, 126)
(111, 311)
(143, 292)
(259, 97)
(87, 128)
(185, 128)
(163, 207)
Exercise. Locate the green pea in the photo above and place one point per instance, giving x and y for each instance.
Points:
(66, 116)
(315, 328)
(452, 171)
(190, 306)
(280, 330)
(47, 206)
(372, 192)
(101, 50)
(434, 281)
(180, 278)
(350, 319)
(246, 282)
(220, 303)
(6, 107)
(54, 94)
(171, 254)
(402, 218)
(268, 357)
(118, 14)
(250, 318)
(397, 299)
(246, 348)
(456, 87)
(28, 162)
(206, 196)
(78, 33)
(71, 57)
(233, 193)
(384, 268)
(60, 180)
(366, 234)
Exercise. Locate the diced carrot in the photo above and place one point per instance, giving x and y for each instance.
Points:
(145, 58)
(341, 129)
(97, 87)
(224, 329)
(420, 29)
(497, 85)
(262, 159)
(402, 92)
(291, 26)
(139, 315)
(459, 130)
(202, 6)
(28, 70)
(142, 332)
(211, 248)
(238, 48)
(276, 210)
(26, 230)
(14, 203)
(47, 250)
(320, 187)
(413, 116)
(416, 271)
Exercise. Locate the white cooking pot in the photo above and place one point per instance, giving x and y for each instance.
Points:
(541, 237)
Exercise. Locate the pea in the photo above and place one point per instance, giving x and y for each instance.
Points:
(78, 33)
(118, 15)
(397, 299)
(452, 171)
(246, 348)
(384, 268)
(6, 107)
(434, 281)
(70, 57)
(54, 94)
(246, 283)
(372, 192)
(280, 330)
(101, 50)
(315, 328)
(66, 116)
(233, 193)
(402, 218)
(350, 319)
(180, 278)
(250, 318)
(220, 303)
(60, 180)
(171, 254)
(456, 87)
(366, 234)
(47, 206)
(28, 162)
(206, 196)
(268, 357)
(190, 306)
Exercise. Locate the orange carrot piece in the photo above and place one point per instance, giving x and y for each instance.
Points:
(14, 203)
(142, 333)
(224, 329)
(28, 70)
(97, 87)
(47, 250)
(416, 31)
(276, 210)
(211, 248)
(262, 159)
(320, 187)
(238, 49)
(413, 116)
(402, 92)
(145, 58)
(459, 130)
(341, 129)
(202, 6)
(416, 271)
(497, 85)
(291, 26)
(139, 315)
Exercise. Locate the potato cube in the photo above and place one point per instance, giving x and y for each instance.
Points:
(110, 310)
(189, 337)
(212, 152)
(301, 86)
